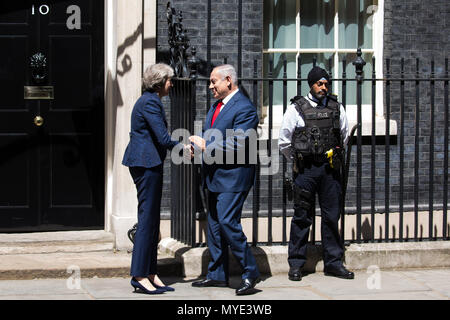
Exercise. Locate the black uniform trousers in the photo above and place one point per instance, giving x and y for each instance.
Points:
(321, 179)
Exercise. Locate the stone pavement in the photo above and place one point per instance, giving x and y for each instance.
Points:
(85, 266)
(373, 284)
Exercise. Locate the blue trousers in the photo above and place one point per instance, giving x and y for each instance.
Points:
(324, 181)
(149, 182)
(224, 229)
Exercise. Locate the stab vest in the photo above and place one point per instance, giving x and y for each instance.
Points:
(322, 130)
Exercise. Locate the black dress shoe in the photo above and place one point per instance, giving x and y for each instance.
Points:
(247, 286)
(295, 274)
(339, 272)
(209, 283)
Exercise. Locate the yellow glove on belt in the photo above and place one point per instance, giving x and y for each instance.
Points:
(329, 154)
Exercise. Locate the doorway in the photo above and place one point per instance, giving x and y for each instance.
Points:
(51, 115)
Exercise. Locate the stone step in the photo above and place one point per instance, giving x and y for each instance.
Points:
(101, 264)
(63, 254)
(273, 259)
(54, 242)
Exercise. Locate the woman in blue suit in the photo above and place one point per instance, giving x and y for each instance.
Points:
(144, 155)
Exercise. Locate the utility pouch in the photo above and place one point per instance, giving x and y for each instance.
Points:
(298, 164)
(336, 120)
(302, 197)
(289, 188)
(337, 161)
(301, 140)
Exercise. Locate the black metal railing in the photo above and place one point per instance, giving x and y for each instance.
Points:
(184, 177)
(397, 173)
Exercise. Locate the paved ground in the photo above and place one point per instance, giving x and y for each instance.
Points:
(84, 267)
(374, 284)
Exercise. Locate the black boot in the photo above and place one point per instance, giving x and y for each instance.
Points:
(339, 272)
(295, 274)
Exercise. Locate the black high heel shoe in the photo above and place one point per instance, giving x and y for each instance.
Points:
(136, 285)
(165, 288)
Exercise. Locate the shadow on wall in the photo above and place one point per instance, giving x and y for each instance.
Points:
(366, 232)
(233, 265)
(124, 64)
(314, 256)
(202, 65)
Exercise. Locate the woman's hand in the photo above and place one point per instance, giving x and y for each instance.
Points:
(198, 141)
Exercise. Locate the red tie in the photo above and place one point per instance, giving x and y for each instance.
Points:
(216, 112)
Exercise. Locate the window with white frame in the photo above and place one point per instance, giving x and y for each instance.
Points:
(329, 31)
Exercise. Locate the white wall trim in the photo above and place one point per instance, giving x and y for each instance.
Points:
(110, 77)
(129, 48)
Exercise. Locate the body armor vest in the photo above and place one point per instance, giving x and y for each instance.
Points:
(322, 130)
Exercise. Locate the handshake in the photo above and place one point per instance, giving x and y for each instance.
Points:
(196, 142)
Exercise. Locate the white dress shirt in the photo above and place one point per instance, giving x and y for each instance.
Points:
(228, 98)
(293, 119)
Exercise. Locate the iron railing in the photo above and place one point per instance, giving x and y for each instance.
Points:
(411, 98)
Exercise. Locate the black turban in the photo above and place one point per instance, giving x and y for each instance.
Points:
(316, 74)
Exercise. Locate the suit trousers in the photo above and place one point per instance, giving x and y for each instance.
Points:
(320, 179)
(224, 229)
(149, 182)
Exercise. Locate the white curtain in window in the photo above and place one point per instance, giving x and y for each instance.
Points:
(317, 31)
(278, 71)
(355, 24)
(317, 24)
(280, 24)
(351, 74)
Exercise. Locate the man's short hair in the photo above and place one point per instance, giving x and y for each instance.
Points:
(226, 70)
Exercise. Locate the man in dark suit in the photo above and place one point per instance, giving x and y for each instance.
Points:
(228, 182)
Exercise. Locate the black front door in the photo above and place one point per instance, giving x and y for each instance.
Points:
(51, 115)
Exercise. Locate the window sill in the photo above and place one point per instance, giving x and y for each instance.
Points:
(380, 128)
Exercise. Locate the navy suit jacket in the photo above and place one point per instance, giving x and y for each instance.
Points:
(149, 138)
(238, 113)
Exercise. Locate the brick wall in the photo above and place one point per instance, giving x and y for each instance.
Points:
(224, 44)
(416, 29)
(413, 29)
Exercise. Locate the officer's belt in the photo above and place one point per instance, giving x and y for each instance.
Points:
(316, 160)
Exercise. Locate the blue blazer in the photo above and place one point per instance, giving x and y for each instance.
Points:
(149, 138)
(238, 113)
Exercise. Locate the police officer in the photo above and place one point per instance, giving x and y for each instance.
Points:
(313, 135)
